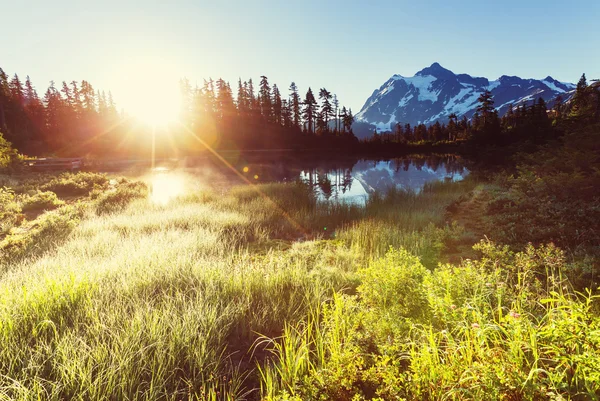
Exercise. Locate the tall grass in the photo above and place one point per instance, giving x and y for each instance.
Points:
(266, 293)
(156, 302)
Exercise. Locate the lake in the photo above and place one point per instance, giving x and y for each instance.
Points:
(344, 179)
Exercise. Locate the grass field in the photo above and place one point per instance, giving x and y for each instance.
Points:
(263, 292)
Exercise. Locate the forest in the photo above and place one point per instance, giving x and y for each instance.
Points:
(76, 120)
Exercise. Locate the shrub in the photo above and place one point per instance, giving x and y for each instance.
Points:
(40, 201)
(394, 284)
(75, 184)
(8, 155)
(10, 211)
(39, 235)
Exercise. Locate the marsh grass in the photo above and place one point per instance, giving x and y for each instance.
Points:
(245, 295)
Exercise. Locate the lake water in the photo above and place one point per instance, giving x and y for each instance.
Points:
(333, 179)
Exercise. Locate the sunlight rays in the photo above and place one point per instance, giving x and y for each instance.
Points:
(252, 185)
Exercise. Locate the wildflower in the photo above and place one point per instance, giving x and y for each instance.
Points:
(452, 307)
(514, 314)
(475, 325)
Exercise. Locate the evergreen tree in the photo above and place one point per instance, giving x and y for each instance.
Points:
(452, 126)
(348, 121)
(580, 100)
(224, 102)
(251, 97)
(336, 106)
(295, 105)
(16, 91)
(242, 98)
(286, 113)
(326, 108)
(309, 112)
(486, 107)
(277, 105)
(76, 96)
(264, 97)
(342, 117)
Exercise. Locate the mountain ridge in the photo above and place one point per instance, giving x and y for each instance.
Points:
(435, 92)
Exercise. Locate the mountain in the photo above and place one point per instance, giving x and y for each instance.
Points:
(435, 92)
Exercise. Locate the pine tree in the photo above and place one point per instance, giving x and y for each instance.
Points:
(277, 105)
(286, 113)
(16, 91)
(112, 107)
(76, 96)
(208, 98)
(348, 121)
(295, 105)
(342, 116)
(264, 97)
(486, 106)
(53, 105)
(326, 108)
(224, 102)
(242, 99)
(251, 97)
(66, 91)
(309, 112)
(336, 106)
(581, 98)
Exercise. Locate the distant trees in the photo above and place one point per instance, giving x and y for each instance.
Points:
(523, 122)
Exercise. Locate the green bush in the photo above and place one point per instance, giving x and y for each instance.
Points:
(8, 155)
(10, 211)
(75, 184)
(394, 284)
(40, 201)
(37, 236)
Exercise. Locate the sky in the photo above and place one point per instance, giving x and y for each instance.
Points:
(349, 47)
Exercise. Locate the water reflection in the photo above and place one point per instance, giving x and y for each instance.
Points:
(342, 178)
(366, 177)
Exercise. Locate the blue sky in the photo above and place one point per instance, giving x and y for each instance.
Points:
(350, 48)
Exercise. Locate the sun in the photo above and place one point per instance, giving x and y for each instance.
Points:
(148, 90)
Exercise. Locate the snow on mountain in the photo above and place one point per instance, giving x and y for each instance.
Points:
(436, 92)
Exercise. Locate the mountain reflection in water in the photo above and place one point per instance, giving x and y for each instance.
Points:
(344, 179)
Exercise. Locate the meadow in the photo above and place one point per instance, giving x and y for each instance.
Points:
(263, 292)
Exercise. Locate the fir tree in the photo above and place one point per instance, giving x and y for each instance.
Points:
(264, 97)
(309, 112)
(295, 105)
(326, 108)
(277, 105)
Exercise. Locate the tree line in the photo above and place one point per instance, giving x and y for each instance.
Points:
(265, 118)
(76, 119)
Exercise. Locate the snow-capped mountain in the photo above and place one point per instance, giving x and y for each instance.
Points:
(435, 92)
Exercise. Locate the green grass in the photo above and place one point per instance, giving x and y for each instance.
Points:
(266, 293)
